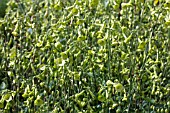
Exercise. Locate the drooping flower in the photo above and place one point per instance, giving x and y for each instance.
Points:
(109, 83)
(119, 87)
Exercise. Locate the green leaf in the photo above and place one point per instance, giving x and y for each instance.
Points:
(141, 46)
(6, 96)
(13, 52)
(15, 33)
(92, 95)
(3, 6)
(118, 1)
(55, 110)
(81, 103)
(40, 43)
(32, 67)
(167, 4)
(124, 98)
(1, 104)
(127, 40)
(114, 105)
(101, 90)
(167, 23)
(76, 75)
(64, 55)
(8, 106)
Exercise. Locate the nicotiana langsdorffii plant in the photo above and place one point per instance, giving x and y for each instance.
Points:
(85, 56)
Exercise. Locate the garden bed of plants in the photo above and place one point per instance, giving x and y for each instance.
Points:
(85, 56)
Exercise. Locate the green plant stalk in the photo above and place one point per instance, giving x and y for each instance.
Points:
(168, 39)
(48, 79)
(21, 45)
(109, 60)
(70, 88)
(16, 76)
(72, 69)
(132, 65)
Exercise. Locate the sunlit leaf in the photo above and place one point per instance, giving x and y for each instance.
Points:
(6, 96)
(81, 103)
(39, 44)
(141, 46)
(114, 105)
(125, 5)
(15, 33)
(156, 2)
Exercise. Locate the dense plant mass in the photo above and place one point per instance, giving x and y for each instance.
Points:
(3, 6)
(85, 56)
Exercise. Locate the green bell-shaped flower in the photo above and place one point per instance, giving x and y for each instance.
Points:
(38, 101)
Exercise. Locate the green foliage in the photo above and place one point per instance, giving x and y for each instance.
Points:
(3, 6)
(85, 56)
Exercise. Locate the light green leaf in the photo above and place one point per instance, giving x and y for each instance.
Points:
(1, 104)
(6, 96)
(141, 46)
(40, 43)
(114, 105)
(125, 5)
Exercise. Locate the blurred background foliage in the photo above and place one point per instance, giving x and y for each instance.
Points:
(84, 56)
